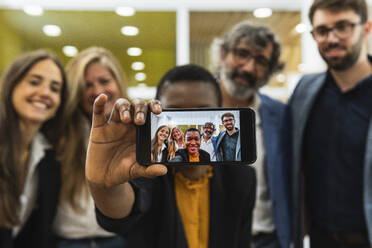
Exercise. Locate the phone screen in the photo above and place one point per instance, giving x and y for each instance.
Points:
(199, 136)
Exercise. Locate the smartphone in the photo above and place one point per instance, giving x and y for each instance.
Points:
(207, 136)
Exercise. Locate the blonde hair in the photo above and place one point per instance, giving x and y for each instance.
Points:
(172, 143)
(72, 148)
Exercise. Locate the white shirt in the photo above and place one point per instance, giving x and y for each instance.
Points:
(71, 224)
(163, 146)
(208, 147)
(83, 224)
(178, 147)
(263, 219)
(29, 194)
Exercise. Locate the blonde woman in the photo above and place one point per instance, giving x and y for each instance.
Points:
(94, 71)
(176, 141)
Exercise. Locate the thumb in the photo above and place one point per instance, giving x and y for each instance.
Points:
(99, 117)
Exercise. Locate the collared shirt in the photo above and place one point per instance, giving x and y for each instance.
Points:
(228, 144)
(194, 159)
(72, 224)
(29, 194)
(208, 147)
(163, 147)
(334, 150)
(192, 199)
(263, 220)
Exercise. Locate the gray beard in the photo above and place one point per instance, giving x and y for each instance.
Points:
(207, 135)
(236, 90)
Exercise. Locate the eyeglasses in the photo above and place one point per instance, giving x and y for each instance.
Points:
(228, 120)
(242, 56)
(341, 29)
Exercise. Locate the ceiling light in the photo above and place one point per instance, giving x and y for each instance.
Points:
(262, 12)
(138, 66)
(125, 11)
(129, 30)
(134, 51)
(140, 76)
(70, 51)
(52, 30)
(301, 67)
(300, 28)
(280, 78)
(33, 10)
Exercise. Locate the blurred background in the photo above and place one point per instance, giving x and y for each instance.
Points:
(149, 37)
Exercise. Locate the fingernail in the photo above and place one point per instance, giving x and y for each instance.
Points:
(126, 114)
(157, 107)
(140, 116)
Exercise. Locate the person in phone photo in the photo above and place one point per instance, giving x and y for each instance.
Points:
(208, 141)
(176, 142)
(159, 144)
(228, 141)
(192, 153)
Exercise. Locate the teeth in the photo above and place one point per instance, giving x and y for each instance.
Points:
(40, 105)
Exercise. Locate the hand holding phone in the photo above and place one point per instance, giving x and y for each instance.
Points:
(111, 156)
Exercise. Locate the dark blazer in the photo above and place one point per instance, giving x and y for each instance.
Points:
(37, 231)
(301, 104)
(203, 156)
(219, 150)
(156, 222)
(275, 126)
(164, 154)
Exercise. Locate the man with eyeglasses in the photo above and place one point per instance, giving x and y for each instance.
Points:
(332, 132)
(228, 141)
(249, 57)
(208, 141)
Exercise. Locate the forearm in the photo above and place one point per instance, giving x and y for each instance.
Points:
(115, 202)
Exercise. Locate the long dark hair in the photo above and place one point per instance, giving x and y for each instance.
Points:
(11, 136)
(155, 143)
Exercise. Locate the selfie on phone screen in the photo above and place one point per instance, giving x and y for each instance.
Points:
(195, 136)
(210, 136)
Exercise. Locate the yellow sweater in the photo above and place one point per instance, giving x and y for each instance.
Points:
(193, 205)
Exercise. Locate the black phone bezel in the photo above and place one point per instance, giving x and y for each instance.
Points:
(248, 134)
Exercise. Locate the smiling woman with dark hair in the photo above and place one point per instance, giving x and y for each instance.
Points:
(32, 99)
(159, 144)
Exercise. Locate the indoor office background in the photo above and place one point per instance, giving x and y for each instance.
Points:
(149, 37)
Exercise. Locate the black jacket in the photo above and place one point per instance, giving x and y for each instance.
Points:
(37, 231)
(203, 155)
(156, 222)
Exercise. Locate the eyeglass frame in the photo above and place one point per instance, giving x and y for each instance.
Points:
(334, 28)
(249, 56)
(228, 120)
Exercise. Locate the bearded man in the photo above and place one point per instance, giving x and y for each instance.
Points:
(249, 57)
(332, 131)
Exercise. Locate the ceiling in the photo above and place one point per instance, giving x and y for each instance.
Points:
(157, 35)
(102, 28)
